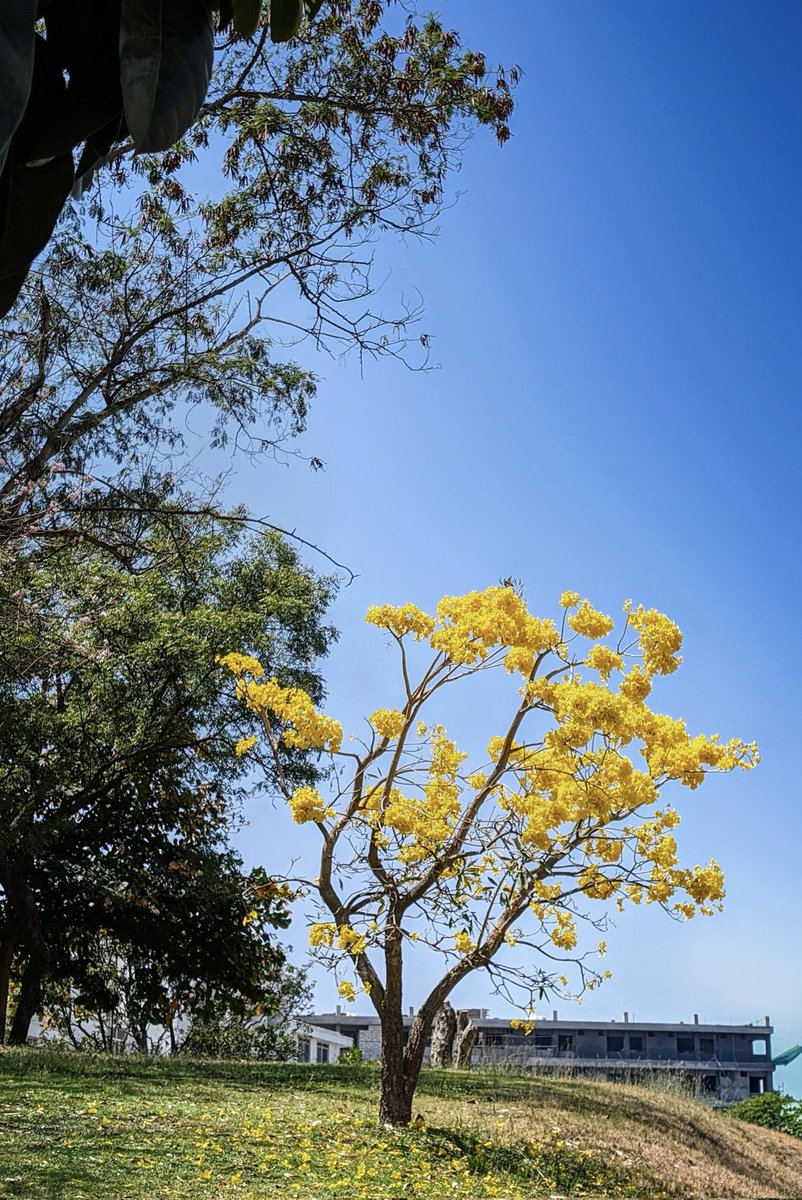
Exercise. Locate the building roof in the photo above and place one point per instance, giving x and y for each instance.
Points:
(320, 1034)
(366, 1020)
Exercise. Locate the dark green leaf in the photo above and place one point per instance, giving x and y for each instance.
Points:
(225, 11)
(95, 153)
(47, 99)
(166, 52)
(285, 19)
(83, 37)
(312, 8)
(246, 16)
(36, 197)
(16, 66)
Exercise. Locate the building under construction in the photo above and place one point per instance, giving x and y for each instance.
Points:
(725, 1062)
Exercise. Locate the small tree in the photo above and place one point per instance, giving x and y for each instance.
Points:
(497, 866)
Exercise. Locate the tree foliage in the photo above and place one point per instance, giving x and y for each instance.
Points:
(499, 864)
(119, 766)
(154, 995)
(186, 302)
(92, 74)
(771, 1110)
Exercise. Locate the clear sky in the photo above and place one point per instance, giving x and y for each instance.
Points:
(616, 309)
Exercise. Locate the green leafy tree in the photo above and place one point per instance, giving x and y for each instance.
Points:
(187, 302)
(119, 771)
(226, 1027)
(200, 975)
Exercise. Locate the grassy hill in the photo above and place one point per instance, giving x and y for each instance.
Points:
(85, 1128)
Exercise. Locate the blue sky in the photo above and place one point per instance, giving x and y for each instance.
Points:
(615, 307)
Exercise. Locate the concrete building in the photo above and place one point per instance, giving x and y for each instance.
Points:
(317, 1045)
(725, 1062)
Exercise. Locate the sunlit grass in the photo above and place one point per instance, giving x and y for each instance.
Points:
(88, 1127)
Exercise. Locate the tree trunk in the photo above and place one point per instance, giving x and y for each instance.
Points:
(395, 1103)
(30, 998)
(397, 1087)
(32, 936)
(7, 945)
(443, 1032)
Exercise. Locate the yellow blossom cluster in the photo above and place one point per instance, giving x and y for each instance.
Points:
(424, 822)
(589, 622)
(463, 942)
(331, 936)
(244, 745)
(322, 933)
(307, 728)
(563, 933)
(401, 620)
(349, 939)
(388, 722)
(307, 804)
(604, 660)
(659, 638)
(467, 628)
(241, 664)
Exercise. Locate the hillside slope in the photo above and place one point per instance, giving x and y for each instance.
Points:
(94, 1128)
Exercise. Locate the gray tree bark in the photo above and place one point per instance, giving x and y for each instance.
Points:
(443, 1031)
(466, 1036)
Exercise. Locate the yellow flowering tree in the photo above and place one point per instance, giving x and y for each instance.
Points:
(495, 865)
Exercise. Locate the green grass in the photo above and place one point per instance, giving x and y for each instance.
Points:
(88, 1127)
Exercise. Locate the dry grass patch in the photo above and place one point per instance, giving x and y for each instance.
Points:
(673, 1142)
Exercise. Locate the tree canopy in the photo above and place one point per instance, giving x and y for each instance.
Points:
(159, 299)
(94, 74)
(500, 863)
(134, 75)
(120, 769)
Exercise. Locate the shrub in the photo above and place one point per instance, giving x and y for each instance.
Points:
(773, 1111)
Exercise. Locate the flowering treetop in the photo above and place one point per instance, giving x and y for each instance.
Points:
(565, 811)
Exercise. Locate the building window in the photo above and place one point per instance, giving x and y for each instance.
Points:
(706, 1047)
(636, 1041)
(543, 1041)
(709, 1083)
(615, 1043)
(685, 1045)
(321, 1053)
(757, 1085)
(304, 1049)
(759, 1047)
(565, 1041)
